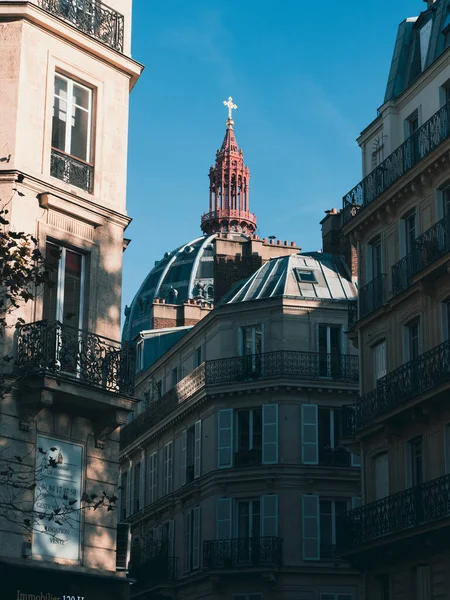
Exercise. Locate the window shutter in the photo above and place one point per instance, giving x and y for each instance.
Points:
(262, 338)
(183, 456)
(270, 434)
(153, 495)
(356, 460)
(198, 449)
(269, 515)
(123, 544)
(311, 527)
(401, 238)
(188, 541)
(379, 360)
(240, 341)
(439, 205)
(119, 497)
(368, 264)
(142, 483)
(225, 438)
(356, 502)
(196, 538)
(128, 492)
(223, 518)
(168, 468)
(171, 540)
(310, 445)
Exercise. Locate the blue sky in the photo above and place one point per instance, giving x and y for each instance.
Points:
(307, 77)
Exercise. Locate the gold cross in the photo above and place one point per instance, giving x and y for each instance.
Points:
(231, 106)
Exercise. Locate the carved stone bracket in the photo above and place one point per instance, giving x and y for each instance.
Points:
(106, 424)
(31, 404)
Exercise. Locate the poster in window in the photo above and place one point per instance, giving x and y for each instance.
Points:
(59, 488)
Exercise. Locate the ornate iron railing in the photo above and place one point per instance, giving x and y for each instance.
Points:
(430, 369)
(90, 16)
(71, 170)
(352, 315)
(423, 141)
(244, 369)
(152, 565)
(408, 509)
(51, 347)
(371, 296)
(242, 552)
(428, 247)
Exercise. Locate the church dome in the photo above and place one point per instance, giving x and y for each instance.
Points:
(185, 273)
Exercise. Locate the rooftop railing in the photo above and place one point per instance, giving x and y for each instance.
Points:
(301, 366)
(93, 17)
(52, 348)
(421, 143)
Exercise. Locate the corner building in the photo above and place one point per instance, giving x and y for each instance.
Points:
(66, 74)
(398, 219)
(232, 471)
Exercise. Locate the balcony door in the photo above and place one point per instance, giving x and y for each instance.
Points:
(249, 519)
(329, 347)
(381, 476)
(251, 346)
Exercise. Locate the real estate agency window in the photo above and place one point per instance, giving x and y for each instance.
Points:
(71, 133)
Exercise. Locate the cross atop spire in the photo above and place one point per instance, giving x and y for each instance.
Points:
(231, 107)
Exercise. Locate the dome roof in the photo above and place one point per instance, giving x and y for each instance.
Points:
(187, 272)
(310, 276)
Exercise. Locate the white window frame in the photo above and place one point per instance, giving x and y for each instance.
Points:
(379, 360)
(168, 467)
(152, 495)
(253, 328)
(407, 338)
(71, 115)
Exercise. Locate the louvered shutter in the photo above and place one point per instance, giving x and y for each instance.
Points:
(196, 538)
(269, 515)
(188, 541)
(183, 456)
(310, 445)
(198, 449)
(225, 438)
(142, 484)
(270, 434)
(311, 527)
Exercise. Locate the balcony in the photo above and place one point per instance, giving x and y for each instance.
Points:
(372, 296)
(155, 569)
(92, 17)
(428, 372)
(428, 247)
(407, 510)
(421, 143)
(53, 349)
(71, 170)
(243, 553)
(296, 366)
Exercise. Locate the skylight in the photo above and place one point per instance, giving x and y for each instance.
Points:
(305, 276)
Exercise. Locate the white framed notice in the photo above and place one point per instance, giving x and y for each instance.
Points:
(59, 468)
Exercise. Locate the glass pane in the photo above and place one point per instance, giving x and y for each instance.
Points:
(79, 145)
(324, 428)
(61, 88)
(244, 430)
(258, 340)
(59, 124)
(257, 429)
(52, 257)
(325, 522)
(256, 519)
(323, 346)
(72, 289)
(243, 519)
(247, 341)
(80, 96)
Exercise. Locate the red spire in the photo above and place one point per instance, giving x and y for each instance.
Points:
(229, 188)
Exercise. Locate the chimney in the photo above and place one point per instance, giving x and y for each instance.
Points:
(333, 242)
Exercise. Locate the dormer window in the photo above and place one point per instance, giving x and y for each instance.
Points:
(305, 276)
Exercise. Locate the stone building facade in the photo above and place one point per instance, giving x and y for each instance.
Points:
(398, 219)
(66, 74)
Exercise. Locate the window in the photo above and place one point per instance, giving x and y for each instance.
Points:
(136, 486)
(330, 430)
(446, 320)
(168, 467)
(139, 355)
(249, 437)
(191, 453)
(409, 225)
(160, 388)
(329, 346)
(251, 340)
(123, 496)
(192, 540)
(153, 477)
(412, 340)
(374, 265)
(304, 276)
(379, 361)
(64, 295)
(248, 519)
(381, 475)
(71, 133)
(446, 199)
(174, 376)
(412, 123)
(329, 511)
(415, 461)
(198, 359)
(384, 586)
(423, 582)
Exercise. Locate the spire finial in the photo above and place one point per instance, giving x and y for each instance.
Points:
(231, 107)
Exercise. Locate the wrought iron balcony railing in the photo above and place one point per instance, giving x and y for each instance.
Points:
(243, 552)
(304, 366)
(421, 143)
(53, 348)
(352, 315)
(71, 170)
(408, 509)
(372, 296)
(428, 247)
(90, 16)
(430, 369)
(154, 569)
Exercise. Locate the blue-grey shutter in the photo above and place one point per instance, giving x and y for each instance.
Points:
(310, 442)
(196, 538)
(198, 449)
(183, 456)
(311, 527)
(223, 518)
(188, 541)
(269, 515)
(270, 434)
(225, 438)
(142, 484)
